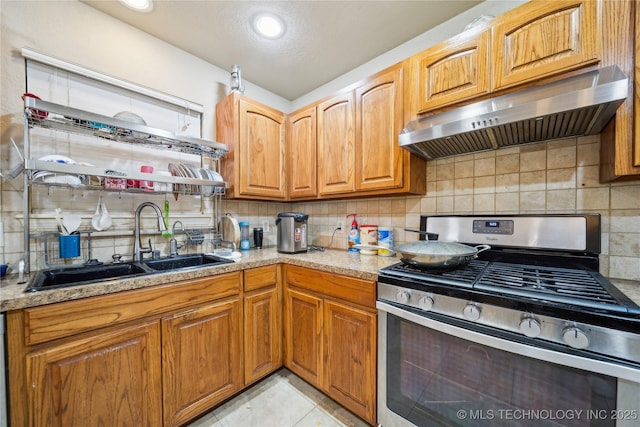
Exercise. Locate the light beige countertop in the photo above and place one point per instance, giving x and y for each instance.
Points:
(12, 295)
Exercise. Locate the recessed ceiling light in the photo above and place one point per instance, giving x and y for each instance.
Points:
(268, 25)
(138, 5)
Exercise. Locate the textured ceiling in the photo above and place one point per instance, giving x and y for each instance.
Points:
(323, 39)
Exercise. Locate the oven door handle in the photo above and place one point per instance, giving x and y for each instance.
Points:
(598, 366)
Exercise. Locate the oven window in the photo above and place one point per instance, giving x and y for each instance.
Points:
(435, 379)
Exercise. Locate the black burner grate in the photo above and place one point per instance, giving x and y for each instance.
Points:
(465, 276)
(544, 280)
(575, 287)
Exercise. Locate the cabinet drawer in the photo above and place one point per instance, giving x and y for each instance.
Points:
(358, 291)
(260, 277)
(63, 319)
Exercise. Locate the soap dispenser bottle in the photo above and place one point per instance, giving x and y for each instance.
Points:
(353, 235)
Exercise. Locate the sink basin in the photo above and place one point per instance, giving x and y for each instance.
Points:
(185, 261)
(59, 277)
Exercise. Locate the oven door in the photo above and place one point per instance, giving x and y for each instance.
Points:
(434, 373)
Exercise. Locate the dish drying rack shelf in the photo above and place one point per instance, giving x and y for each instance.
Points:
(94, 178)
(48, 115)
(184, 179)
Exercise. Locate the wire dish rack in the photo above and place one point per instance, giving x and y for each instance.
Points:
(72, 120)
(66, 120)
(47, 115)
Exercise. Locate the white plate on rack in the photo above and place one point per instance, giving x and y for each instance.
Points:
(216, 177)
(176, 171)
(58, 178)
(65, 179)
(206, 190)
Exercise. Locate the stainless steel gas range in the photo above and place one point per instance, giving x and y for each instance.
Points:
(528, 334)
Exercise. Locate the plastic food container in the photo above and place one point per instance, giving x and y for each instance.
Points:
(385, 239)
(369, 236)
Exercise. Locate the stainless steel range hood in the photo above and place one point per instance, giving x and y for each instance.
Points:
(576, 106)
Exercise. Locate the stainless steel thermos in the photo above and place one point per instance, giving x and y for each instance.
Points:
(292, 232)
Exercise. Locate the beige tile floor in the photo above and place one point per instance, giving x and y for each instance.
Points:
(280, 400)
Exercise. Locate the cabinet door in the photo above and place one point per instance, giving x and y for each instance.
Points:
(350, 372)
(379, 120)
(302, 154)
(453, 71)
(262, 332)
(336, 149)
(303, 335)
(619, 143)
(201, 359)
(542, 38)
(262, 152)
(107, 379)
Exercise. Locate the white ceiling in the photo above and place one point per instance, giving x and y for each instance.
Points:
(323, 39)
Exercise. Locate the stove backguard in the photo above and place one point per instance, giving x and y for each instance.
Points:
(561, 240)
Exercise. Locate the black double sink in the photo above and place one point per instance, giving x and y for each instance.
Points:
(61, 277)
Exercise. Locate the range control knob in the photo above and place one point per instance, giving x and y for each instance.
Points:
(403, 296)
(471, 312)
(426, 303)
(530, 327)
(575, 337)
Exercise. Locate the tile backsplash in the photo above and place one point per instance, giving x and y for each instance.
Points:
(544, 178)
(551, 177)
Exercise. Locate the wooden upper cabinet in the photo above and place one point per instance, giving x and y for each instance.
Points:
(336, 144)
(357, 140)
(301, 137)
(255, 166)
(454, 70)
(619, 142)
(379, 120)
(543, 38)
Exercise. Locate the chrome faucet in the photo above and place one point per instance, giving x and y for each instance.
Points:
(173, 243)
(138, 249)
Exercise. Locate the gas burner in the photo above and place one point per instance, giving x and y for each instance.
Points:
(463, 276)
(548, 261)
(576, 287)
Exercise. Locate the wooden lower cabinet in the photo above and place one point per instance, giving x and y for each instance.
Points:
(106, 379)
(201, 359)
(157, 356)
(161, 356)
(262, 323)
(350, 357)
(303, 335)
(330, 336)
